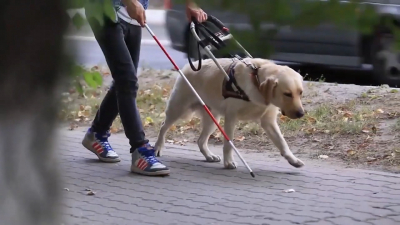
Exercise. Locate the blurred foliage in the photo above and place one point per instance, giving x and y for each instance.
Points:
(93, 79)
(97, 9)
(284, 14)
(296, 14)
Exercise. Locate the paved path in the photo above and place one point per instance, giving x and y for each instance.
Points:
(202, 193)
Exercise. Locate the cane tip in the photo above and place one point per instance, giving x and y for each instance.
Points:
(252, 174)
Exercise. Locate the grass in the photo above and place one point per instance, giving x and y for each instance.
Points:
(151, 101)
(342, 119)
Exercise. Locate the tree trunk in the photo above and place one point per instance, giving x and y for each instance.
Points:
(31, 52)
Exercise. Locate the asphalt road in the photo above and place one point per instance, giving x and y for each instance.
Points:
(89, 53)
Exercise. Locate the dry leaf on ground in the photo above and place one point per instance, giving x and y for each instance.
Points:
(323, 157)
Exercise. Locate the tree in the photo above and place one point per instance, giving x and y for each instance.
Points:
(31, 45)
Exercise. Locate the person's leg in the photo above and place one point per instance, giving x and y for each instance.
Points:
(96, 138)
(143, 154)
(112, 39)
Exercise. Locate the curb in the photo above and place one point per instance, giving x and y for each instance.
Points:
(87, 38)
(153, 16)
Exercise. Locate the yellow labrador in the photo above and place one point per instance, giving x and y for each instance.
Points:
(277, 87)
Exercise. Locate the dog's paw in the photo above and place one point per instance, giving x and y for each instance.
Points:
(230, 165)
(296, 163)
(158, 153)
(213, 158)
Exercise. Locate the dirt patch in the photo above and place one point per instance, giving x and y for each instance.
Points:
(355, 125)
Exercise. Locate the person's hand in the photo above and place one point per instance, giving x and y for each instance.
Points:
(136, 11)
(193, 11)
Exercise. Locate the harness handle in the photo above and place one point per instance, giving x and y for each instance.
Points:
(209, 38)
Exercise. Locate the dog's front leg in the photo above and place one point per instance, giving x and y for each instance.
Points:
(229, 127)
(271, 128)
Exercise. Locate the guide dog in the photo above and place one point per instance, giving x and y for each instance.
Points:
(269, 88)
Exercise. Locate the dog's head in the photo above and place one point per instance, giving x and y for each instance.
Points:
(282, 87)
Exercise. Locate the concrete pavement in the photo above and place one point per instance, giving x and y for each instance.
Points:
(202, 193)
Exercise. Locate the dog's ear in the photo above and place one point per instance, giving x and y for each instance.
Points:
(267, 89)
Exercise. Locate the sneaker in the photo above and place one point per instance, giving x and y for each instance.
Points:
(145, 162)
(99, 145)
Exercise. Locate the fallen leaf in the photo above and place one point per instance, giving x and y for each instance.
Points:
(162, 115)
(88, 189)
(310, 130)
(241, 138)
(323, 156)
(311, 119)
(113, 130)
(170, 141)
(172, 128)
(348, 114)
(379, 111)
(81, 107)
(388, 156)
(371, 159)
(316, 140)
(66, 189)
(283, 118)
(351, 152)
(289, 191)
(90, 193)
(148, 121)
(365, 131)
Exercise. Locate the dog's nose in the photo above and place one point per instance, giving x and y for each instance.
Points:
(300, 113)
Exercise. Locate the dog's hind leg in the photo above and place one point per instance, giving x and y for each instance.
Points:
(178, 107)
(208, 127)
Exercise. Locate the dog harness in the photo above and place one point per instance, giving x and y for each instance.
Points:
(229, 86)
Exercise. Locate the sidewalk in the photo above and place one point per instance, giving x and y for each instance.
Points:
(203, 193)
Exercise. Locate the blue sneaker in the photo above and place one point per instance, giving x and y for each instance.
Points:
(99, 145)
(145, 162)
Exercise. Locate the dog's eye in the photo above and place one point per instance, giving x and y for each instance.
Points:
(288, 95)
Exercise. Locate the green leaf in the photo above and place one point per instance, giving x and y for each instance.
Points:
(78, 87)
(88, 76)
(109, 11)
(97, 78)
(94, 9)
(77, 70)
(78, 20)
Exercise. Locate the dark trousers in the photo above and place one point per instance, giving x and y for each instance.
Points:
(120, 43)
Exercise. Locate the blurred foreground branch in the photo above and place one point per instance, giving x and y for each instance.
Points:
(31, 47)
